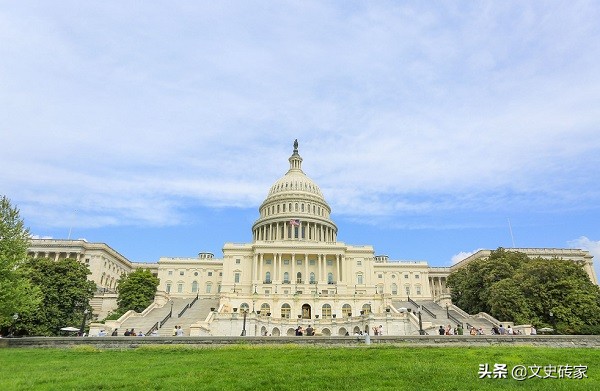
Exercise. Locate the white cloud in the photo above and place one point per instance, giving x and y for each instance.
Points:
(584, 243)
(462, 255)
(398, 108)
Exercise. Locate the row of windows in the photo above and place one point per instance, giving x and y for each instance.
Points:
(286, 310)
(311, 262)
(182, 273)
(406, 276)
(297, 207)
(208, 287)
(111, 266)
(286, 278)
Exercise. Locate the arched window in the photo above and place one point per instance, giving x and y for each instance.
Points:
(298, 278)
(296, 207)
(244, 307)
(394, 289)
(346, 310)
(194, 286)
(367, 308)
(284, 208)
(286, 311)
(265, 308)
(326, 311)
(330, 278)
(286, 278)
(302, 207)
(312, 277)
(268, 278)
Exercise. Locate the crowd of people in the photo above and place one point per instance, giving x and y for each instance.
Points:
(495, 330)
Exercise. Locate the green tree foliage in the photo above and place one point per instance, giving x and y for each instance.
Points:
(17, 295)
(510, 286)
(136, 290)
(66, 293)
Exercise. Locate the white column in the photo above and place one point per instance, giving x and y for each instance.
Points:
(260, 267)
(293, 278)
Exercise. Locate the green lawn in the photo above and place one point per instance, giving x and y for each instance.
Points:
(252, 367)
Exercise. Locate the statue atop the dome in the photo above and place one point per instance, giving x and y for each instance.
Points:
(296, 145)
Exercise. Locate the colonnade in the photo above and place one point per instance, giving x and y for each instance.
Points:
(304, 230)
(277, 267)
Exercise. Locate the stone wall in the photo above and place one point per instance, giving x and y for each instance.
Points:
(563, 341)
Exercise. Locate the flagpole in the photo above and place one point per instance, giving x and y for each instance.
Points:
(511, 233)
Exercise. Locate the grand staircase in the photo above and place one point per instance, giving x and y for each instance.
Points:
(442, 316)
(191, 310)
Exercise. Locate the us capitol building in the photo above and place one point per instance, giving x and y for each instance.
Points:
(294, 272)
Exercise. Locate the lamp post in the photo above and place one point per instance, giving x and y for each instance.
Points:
(171, 312)
(553, 320)
(85, 312)
(447, 310)
(245, 312)
(15, 317)
(421, 331)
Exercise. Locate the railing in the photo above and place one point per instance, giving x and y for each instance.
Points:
(195, 300)
(162, 322)
(434, 316)
(183, 310)
(452, 318)
(422, 307)
(413, 302)
(154, 328)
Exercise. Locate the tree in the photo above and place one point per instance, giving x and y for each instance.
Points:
(17, 294)
(66, 293)
(510, 286)
(136, 290)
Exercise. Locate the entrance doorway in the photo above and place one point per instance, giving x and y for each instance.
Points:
(306, 313)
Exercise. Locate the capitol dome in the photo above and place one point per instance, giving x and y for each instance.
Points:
(295, 209)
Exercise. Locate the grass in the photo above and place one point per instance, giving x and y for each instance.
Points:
(292, 367)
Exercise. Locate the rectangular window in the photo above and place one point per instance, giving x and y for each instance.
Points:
(359, 278)
(312, 262)
(407, 290)
(418, 290)
(181, 272)
(237, 278)
(210, 274)
(208, 288)
(286, 261)
(237, 261)
(170, 272)
(179, 288)
(298, 262)
(329, 262)
(268, 261)
(168, 288)
(358, 263)
(380, 275)
(417, 276)
(406, 276)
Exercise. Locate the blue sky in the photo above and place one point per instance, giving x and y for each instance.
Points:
(158, 127)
